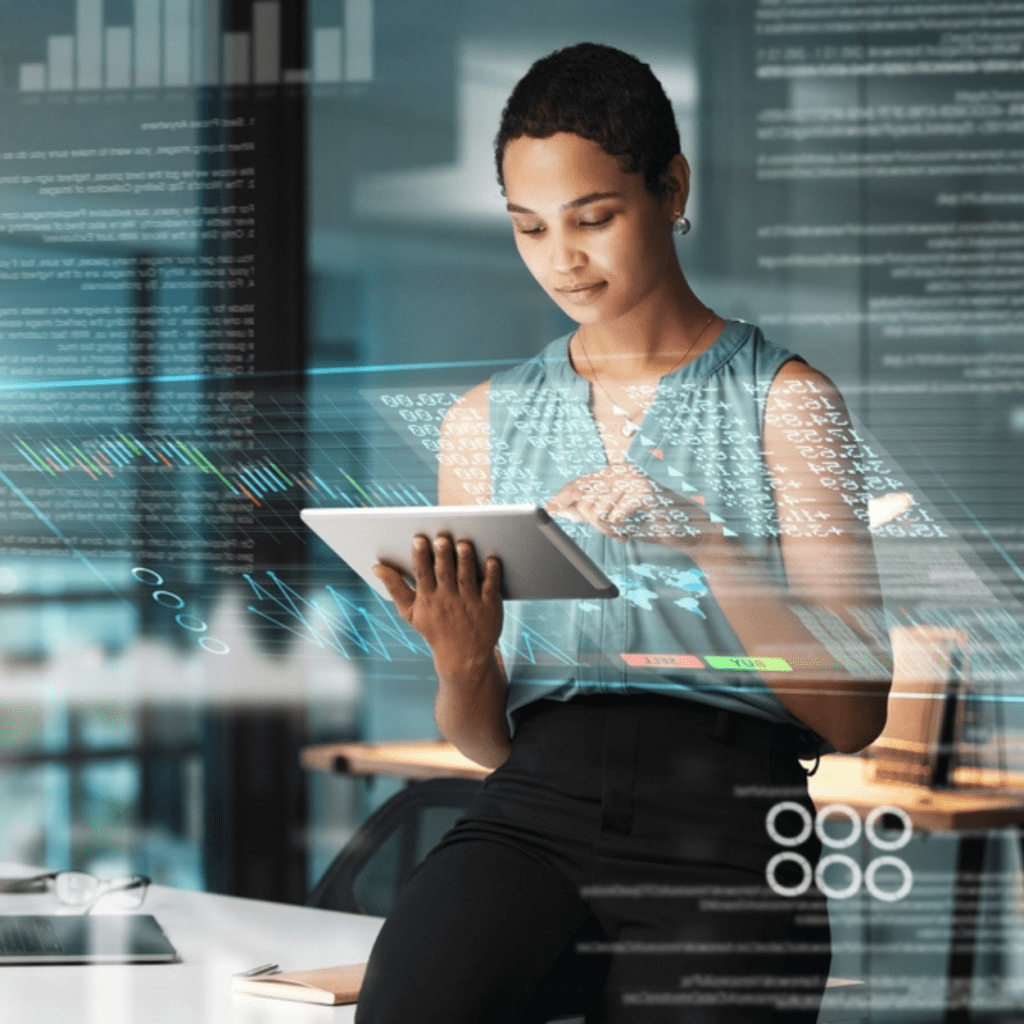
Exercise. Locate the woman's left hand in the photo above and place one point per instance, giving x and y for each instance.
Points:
(626, 504)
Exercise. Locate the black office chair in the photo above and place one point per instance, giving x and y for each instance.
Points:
(365, 877)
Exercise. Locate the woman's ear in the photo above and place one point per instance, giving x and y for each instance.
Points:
(677, 184)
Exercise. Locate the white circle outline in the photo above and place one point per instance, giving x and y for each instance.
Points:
(782, 890)
(776, 810)
(205, 641)
(141, 569)
(847, 811)
(825, 888)
(169, 593)
(888, 844)
(201, 628)
(885, 894)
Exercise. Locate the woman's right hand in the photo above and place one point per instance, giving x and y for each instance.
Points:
(459, 616)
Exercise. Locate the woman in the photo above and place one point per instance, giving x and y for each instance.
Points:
(618, 853)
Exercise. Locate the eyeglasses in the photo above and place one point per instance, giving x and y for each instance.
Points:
(80, 889)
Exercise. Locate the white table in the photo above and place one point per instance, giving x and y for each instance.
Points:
(215, 936)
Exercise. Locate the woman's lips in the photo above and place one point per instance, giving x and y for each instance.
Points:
(581, 292)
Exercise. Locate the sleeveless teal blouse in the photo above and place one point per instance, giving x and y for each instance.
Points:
(700, 437)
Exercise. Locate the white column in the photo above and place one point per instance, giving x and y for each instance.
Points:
(177, 39)
(118, 58)
(358, 40)
(147, 43)
(89, 32)
(206, 42)
(32, 77)
(236, 58)
(266, 41)
(60, 62)
(327, 55)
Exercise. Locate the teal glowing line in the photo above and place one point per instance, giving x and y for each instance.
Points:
(149, 454)
(252, 483)
(269, 482)
(324, 486)
(111, 449)
(49, 469)
(67, 462)
(126, 452)
(319, 371)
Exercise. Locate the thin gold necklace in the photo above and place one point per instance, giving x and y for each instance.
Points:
(629, 428)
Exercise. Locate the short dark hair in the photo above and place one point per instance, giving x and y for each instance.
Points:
(599, 93)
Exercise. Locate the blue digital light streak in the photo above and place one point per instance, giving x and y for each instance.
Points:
(319, 371)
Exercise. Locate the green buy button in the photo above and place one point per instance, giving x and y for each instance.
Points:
(748, 664)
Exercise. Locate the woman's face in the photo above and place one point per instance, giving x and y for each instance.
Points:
(597, 241)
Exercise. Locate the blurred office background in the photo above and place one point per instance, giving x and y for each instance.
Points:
(250, 250)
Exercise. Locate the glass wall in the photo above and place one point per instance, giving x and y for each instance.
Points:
(250, 253)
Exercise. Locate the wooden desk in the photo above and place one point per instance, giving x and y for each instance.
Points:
(997, 802)
(839, 779)
(402, 759)
(846, 780)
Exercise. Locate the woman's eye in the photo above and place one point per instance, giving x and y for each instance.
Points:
(595, 223)
(533, 229)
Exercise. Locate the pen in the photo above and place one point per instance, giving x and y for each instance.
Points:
(256, 972)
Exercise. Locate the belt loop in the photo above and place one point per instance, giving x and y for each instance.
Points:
(817, 759)
(723, 722)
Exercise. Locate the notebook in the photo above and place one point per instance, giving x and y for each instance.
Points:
(83, 939)
(331, 986)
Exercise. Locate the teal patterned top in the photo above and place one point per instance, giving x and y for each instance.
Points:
(701, 437)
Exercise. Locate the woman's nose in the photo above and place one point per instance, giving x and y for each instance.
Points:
(565, 256)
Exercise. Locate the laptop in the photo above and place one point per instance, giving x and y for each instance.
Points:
(83, 939)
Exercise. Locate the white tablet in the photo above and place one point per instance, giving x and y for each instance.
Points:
(538, 560)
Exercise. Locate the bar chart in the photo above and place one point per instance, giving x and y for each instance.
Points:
(108, 457)
(181, 44)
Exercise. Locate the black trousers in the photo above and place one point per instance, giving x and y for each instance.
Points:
(615, 865)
